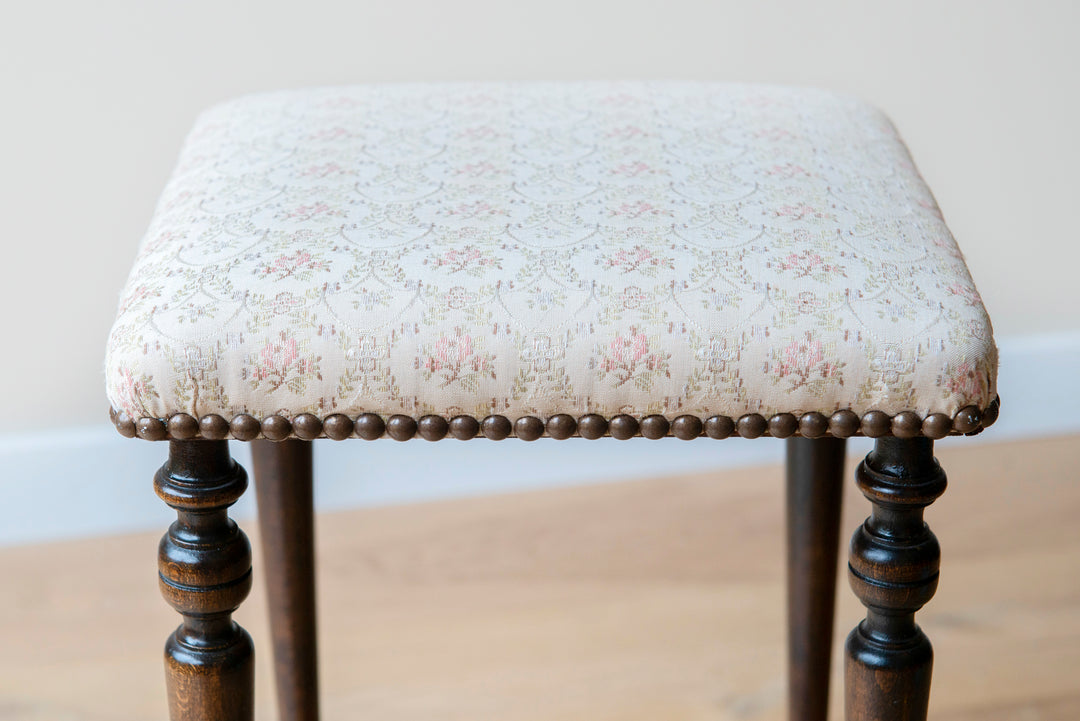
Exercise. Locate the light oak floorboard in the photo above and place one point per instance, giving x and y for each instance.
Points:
(645, 600)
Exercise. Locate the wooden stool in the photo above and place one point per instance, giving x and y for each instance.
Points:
(561, 260)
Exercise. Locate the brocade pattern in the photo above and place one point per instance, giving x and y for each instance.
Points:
(536, 249)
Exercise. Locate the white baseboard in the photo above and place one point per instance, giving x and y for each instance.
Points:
(90, 481)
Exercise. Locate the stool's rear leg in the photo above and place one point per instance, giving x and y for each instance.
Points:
(204, 567)
(283, 480)
(815, 474)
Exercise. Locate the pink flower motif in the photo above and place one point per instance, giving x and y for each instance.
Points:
(632, 170)
(322, 171)
(774, 134)
(336, 133)
(638, 209)
(969, 294)
(800, 357)
(804, 360)
(161, 240)
(136, 296)
(800, 211)
(301, 264)
(807, 263)
(626, 350)
(965, 381)
(640, 257)
(307, 212)
(455, 359)
(628, 358)
(932, 207)
(787, 170)
(469, 258)
(130, 392)
(276, 358)
(450, 351)
(177, 200)
(279, 362)
(476, 170)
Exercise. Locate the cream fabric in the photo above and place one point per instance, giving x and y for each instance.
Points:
(538, 249)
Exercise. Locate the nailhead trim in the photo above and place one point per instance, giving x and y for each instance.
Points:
(369, 426)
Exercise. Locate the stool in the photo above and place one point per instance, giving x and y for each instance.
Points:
(563, 260)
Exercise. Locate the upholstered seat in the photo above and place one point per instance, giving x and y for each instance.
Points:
(635, 251)
(566, 259)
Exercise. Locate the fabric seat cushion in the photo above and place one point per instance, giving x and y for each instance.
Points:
(534, 249)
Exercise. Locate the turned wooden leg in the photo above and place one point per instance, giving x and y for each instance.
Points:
(286, 519)
(894, 572)
(204, 566)
(815, 476)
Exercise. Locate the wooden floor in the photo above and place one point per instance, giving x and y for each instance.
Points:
(638, 601)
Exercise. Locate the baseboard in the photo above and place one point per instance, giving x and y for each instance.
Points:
(90, 481)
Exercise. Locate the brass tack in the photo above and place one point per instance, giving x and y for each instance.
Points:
(338, 426)
(936, 425)
(496, 428)
(655, 426)
(150, 429)
(623, 426)
(906, 424)
(967, 419)
(876, 424)
(719, 427)
(752, 425)
(686, 427)
(245, 427)
(369, 426)
(400, 427)
(276, 428)
(125, 425)
(783, 425)
(213, 427)
(183, 427)
(813, 425)
(307, 426)
(464, 427)
(528, 428)
(432, 428)
(561, 426)
(843, 424)
(592, 426)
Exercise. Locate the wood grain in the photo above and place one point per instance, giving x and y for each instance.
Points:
(628, 602)
(283, 482)
(815, 486)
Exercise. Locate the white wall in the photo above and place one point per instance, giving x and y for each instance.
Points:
(97, 97)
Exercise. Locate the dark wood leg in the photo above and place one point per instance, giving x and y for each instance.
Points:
(815, 477)
(286, 517)
(204, 566)
(894, 572)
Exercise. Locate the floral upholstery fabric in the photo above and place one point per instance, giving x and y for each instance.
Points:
(538, 249)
